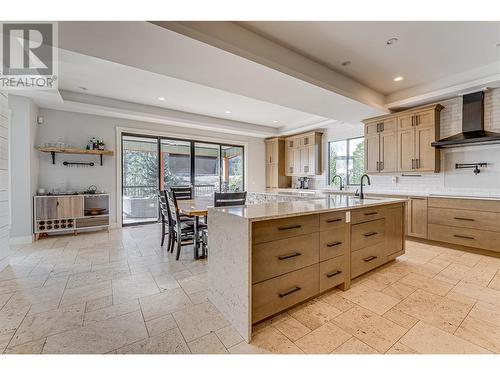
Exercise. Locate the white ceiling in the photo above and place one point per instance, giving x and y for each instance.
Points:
(425, 51)
(112, 80)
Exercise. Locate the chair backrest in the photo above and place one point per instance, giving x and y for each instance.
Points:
(182, 192)
(162, 203)
(173, 212)
(230, 199)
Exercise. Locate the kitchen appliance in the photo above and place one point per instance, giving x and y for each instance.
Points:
(303, 182)
(473, 132)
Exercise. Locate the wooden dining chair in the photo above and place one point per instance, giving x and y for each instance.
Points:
(163, 205)
(182, 232)
(230, 199)
(182, 192)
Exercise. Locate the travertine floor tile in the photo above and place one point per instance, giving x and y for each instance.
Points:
(160, 325)
(486, 312)
(38, 326)
(480, 332)
(323, 340)
(10, 319)
(440, 312)
(5, 339)
(100, 337)
(164, 303)
(86, 293)
(166, 282)
(399, 290)
(375, 301)
(426, 339)
(132, 287)
(291, 328)
(32, 347)
(495, 282)
(209, 344)
(99, 303)
(196, 283)
(399, 348)
(268, 340)
(314, 314)
(478, 292)
(427, 283)
(229, 336)
(354, 346)
(399, 317)
(334, 299)
(168, 342)
(374, 330)
(199, 320)
(111, 311)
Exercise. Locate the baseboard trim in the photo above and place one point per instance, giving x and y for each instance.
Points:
(20, 240)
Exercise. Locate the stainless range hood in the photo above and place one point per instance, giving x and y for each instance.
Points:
(473, 132)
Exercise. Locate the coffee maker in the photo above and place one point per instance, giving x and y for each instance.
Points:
(303, 182)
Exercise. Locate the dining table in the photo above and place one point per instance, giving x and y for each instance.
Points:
(196, 208)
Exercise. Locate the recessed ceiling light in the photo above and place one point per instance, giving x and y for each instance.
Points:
(391, 41)
(161, 98)
(228, 111)
(275, 121)
(498, 44)
(345, 63)
(83, 88)
(397, 79)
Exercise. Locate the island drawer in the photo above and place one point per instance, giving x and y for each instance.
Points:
(270, 230)
(489, 205)
(465, 218)
(275, 295)
(367, 259)
(331, 220)
(481, 239)
(367, 234)
(274, 258)
(367, 214)
(332, 243)
(331, 273)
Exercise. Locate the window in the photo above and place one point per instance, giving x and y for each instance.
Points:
(346, 158)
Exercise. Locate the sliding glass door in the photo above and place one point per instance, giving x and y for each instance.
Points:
(150, 164)
(139, 179)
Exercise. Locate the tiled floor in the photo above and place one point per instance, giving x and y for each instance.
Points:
(119, 292)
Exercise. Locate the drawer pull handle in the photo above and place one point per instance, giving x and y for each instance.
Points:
(290, 227)
(370, 213)
(289, 291)
(333, 220)
(288, 256)
(332, 244)
(369, 234)
(333, 273)
(370, 258)
(466, 237)
(463, 218)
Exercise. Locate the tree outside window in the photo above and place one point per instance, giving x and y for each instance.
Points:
(346, 159)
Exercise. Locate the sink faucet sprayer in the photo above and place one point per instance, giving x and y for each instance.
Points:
(361, 194)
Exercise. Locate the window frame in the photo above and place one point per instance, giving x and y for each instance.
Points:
(347, 141)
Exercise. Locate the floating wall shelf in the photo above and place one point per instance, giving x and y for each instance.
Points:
(76, 151)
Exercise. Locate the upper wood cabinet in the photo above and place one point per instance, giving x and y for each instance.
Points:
(276, 164)
(381, 145)
(303, 154)
(401, 142)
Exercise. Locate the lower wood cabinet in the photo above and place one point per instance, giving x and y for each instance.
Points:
(417, 217)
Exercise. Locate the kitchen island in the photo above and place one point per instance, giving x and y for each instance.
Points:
(266, 258)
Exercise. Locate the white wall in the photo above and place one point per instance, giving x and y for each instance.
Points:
(4, 183)
(76, 129)
(24, 173)
(449, 180)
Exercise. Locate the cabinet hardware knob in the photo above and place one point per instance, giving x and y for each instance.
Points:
(290, 227)
(466, 237)
(288, 256)
(370, 258)
(331, 274)
(464, 218)
(289, 291)
(332, 244)
(369, 234)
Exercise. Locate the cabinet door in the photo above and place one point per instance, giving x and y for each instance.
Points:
(313, 159)
(371, 128)
(46, 208)
(406, 121)
(425, 154)
(272, 176)
(296, 162)
(425, 118)
(394, 229)
(304, 160)
(289, 161)
(372, 153)
(69, 207)
(388, 151)
(291, 142)
(406, 150)
(272, 151)
(417, 217)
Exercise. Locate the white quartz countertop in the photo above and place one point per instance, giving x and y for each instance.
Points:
(266, 211)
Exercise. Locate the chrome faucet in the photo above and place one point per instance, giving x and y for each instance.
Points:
(361, 194)
(341, 183)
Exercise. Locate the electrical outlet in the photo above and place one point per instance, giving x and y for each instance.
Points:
(394, 179)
